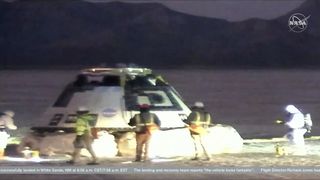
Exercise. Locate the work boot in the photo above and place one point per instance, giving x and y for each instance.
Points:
(138, 158)
(195, 158)
(145, 158)
(119, 154)
(93, 163)
(70, 162)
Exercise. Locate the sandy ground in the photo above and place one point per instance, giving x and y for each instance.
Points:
(219, 162)
(257, 161)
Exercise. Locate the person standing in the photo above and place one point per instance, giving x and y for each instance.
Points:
(198, 122)
(297, 127)
(83, 135)
(6, 122)
(145, 123)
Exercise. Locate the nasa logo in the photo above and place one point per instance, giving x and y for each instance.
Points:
(298, 22)
(109, 112)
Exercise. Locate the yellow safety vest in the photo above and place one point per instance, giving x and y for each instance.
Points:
(144, 123)
(82, 124)
(198, 125)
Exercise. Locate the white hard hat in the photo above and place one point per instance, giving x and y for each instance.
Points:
(9, 113)
(198, 104)
(292, 109)
(82, 109)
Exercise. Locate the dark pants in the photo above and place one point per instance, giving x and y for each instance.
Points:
(142, 140)
(198, 144)
(83, 141)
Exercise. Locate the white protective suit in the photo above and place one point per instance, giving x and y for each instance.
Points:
(6, 121)
(297, 129)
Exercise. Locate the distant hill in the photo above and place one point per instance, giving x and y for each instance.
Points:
(58, 33)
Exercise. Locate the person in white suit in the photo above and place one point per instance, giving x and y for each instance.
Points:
(297, 128)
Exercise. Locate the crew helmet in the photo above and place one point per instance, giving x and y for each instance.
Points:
(198, 104)
(82, 109)
(9, 113)
(144, 106)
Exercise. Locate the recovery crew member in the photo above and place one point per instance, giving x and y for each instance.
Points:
(145, 123)
(83, 135)
(199, 121)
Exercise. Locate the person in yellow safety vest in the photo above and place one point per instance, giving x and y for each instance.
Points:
(6, 122)
(83, 135)
(146, 123)
(198, 122)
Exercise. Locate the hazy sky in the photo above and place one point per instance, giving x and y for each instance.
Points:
(232, 10)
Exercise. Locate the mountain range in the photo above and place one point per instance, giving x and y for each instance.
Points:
(46, 33)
